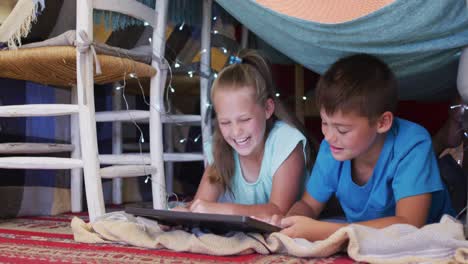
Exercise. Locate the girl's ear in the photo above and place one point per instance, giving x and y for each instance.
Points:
(269, 107)
(384, 123)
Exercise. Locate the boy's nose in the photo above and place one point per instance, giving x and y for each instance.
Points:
(330, 136)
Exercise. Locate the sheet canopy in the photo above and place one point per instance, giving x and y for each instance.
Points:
(419, 39)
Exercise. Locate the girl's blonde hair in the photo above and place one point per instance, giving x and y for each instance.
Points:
(251, 70)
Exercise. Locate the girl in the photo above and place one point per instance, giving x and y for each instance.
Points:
(257, 160)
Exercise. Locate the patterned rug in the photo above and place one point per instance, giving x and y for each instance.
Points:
(49, 240)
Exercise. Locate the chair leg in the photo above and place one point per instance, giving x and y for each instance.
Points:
(76, 178)
(117, 143)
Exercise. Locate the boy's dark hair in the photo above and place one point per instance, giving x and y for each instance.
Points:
(361, 83)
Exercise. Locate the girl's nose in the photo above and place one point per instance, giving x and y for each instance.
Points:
(237, 130)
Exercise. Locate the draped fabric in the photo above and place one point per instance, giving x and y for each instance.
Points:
(419, 39)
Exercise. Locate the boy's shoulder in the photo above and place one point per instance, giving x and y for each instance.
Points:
(409, 137)
(408, 131)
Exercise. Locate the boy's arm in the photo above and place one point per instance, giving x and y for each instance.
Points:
(411, 210)
(307, 206)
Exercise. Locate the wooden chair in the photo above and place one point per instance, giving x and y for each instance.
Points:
(75, 67)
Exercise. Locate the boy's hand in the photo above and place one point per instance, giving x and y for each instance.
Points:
(299, 226)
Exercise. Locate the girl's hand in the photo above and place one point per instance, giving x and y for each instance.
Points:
(276, 220)
(201, 206)
(180, 209)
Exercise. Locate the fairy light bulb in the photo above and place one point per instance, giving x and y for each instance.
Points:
(146, 24)
(182, 26)
(214, 18)
(176, 65)
(182, 141)
(190, 73)
(304, 98)
(132, 75)
(277, 94)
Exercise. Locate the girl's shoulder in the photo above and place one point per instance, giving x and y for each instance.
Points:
(282, 129)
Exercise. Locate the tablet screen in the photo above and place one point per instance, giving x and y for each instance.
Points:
(215, 223)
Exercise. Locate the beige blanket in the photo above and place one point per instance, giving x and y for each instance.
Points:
(443, 242)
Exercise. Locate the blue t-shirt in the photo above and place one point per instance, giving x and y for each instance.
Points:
(407, 166)
(281, 141)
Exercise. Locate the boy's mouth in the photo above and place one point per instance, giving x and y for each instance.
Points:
(335, 149)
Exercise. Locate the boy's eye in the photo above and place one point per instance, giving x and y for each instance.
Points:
(342, 131)
(245, 119)
(224, 123)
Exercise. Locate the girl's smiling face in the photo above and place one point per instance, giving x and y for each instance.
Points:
(242, 121)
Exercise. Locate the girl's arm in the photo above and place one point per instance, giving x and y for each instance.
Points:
(286, 184)
(411, 210)
(208, 191)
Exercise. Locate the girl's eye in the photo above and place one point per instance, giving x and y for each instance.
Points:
(224, 123)
(245, 120)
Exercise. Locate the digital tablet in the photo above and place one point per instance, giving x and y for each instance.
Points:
(215, 223)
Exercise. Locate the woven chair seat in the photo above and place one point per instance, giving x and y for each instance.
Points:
(56, 66)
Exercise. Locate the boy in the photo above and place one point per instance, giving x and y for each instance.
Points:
(381, 168)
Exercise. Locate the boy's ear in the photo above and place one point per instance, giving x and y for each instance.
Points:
(384, 123)
(269, 107)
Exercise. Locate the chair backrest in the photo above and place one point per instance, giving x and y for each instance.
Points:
(156, 19)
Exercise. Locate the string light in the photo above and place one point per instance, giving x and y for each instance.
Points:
(182, 141)
(172, 89)
(182, 26)
(146, 24)
(277, 94)
(304, 98)
(190, 73)
(215, 31)
(149, 39)
(132, 75)
(214, 18)
(224, 50)
(176, 65)
(215, 75)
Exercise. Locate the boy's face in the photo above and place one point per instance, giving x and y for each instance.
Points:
(349, 135)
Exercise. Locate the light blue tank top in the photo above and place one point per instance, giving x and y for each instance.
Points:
(281, 141)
